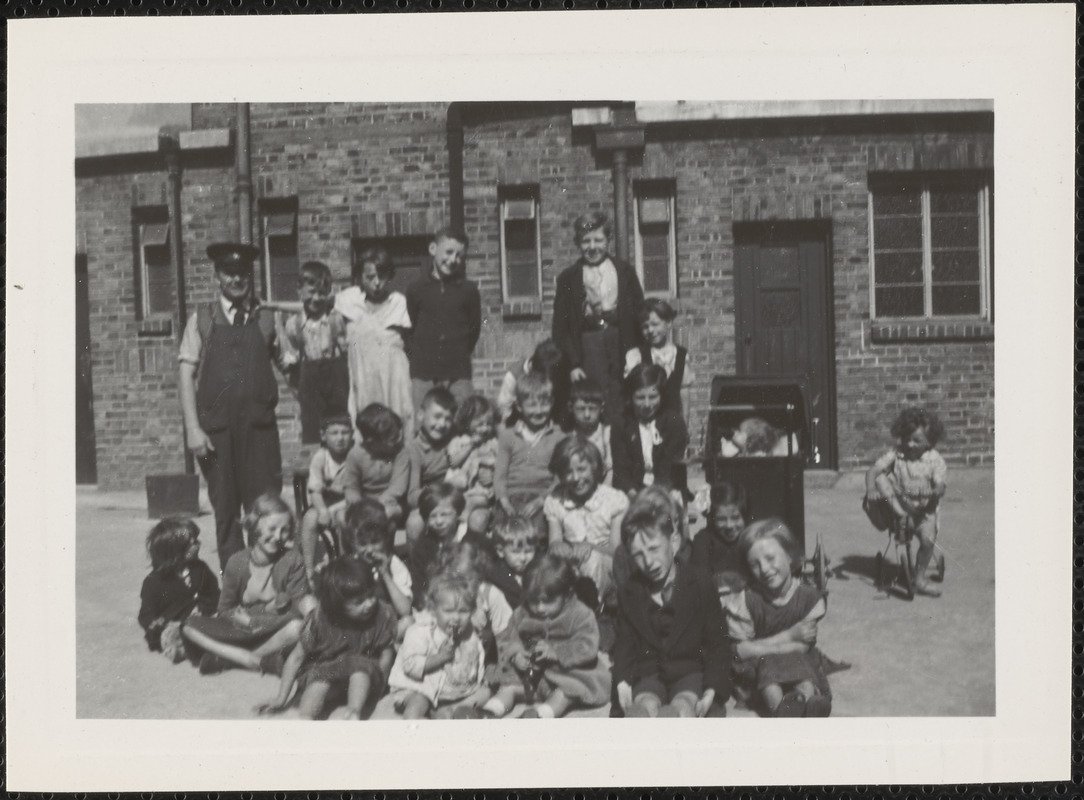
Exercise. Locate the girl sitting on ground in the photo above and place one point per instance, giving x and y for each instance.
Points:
(774, 626)
(906, 485)
(440, 667)
(549, 652)
(715, 548)
(346, 642)
(179, 585)
(264, 597)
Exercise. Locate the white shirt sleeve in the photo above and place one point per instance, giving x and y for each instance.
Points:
(400, 575)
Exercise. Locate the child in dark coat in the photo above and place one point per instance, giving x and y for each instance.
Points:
(179, 585)
(672, 652)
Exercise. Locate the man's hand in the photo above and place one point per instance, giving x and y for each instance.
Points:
(199, 443)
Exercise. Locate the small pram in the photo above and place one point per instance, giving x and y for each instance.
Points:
(773, 482)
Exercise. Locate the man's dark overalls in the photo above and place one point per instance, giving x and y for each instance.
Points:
(236, 397)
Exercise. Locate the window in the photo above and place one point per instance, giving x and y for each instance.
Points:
(409, 256)
(521, 248)
(656, 248)
(280, 261)
(155, 268)
(930, 247)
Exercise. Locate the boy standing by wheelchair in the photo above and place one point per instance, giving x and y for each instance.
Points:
(904, 487)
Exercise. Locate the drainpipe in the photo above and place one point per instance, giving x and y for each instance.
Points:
(172, 150)
(244, 175)
(455, 165)
(622, 136)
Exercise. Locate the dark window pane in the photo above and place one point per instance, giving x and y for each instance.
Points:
(954, 201)
(897, 233)
(160, 278)
(282, 258)
(899, 267)
(954, 231)
(655, 249)
(956, 300)
(521, 254)
(900, 302)
(952, 265)
(897, 201)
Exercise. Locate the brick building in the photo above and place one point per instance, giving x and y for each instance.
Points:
(849, 240)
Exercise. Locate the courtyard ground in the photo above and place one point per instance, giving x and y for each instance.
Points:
(927, 657)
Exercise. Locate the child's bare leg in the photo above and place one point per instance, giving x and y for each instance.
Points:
(238, 656)
(357, 693)
(504, 700)
(645, 704)
(283, 638)
(414, 706)
(556, 705)
(313, 699)
(926, 533)
(772, 695)
(684, 704)
(806, 688)
(310, 532)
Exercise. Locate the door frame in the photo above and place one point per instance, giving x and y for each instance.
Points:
(795, 231)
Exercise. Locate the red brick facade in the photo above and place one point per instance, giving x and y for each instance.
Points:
(383, 169)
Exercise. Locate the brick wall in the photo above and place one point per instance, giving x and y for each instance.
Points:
(373, 169)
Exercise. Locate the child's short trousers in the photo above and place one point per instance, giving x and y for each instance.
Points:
(693, 682)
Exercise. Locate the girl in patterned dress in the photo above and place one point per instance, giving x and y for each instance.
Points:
(376, 324)
(906, 485)
(584, 515)
(346, 641)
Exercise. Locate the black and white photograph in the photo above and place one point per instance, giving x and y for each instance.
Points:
(453, 416)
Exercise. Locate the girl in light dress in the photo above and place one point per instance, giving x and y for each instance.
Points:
(377, 323)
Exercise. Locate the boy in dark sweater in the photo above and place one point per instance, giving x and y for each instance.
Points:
(446, 312)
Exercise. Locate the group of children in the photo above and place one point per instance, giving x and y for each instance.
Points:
(543, 552)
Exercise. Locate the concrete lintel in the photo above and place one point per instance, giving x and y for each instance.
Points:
(691, 111)
(205, 139)
(129, 144)
(593, 115)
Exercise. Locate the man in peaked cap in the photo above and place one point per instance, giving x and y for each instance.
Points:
(229, 394)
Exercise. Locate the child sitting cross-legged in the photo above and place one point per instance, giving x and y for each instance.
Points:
(179, 585)
(524, 451)
(346, 642)
(327, 473)
(440, 667)
(774, 626)
(584, 515)
(264, 597)
(672, 654)
(549, 652)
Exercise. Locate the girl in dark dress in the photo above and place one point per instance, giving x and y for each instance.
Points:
(347, 640)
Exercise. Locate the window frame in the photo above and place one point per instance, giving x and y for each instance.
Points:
(144, 275)
(981, 183)
(507, 194)
(269, 211)
(656, 189)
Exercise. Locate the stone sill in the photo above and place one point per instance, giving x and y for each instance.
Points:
(927, 330)
(522, 309)
(156, 327)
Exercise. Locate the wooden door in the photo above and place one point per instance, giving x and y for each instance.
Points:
(784, 315)
(86, 460)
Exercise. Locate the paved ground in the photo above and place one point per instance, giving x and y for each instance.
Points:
(926, 657)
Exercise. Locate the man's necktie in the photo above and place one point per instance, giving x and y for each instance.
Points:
(238, 315)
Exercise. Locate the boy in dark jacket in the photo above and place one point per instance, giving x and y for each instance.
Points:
(672, 653)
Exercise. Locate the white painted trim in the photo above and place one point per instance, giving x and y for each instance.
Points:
(685, 111)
